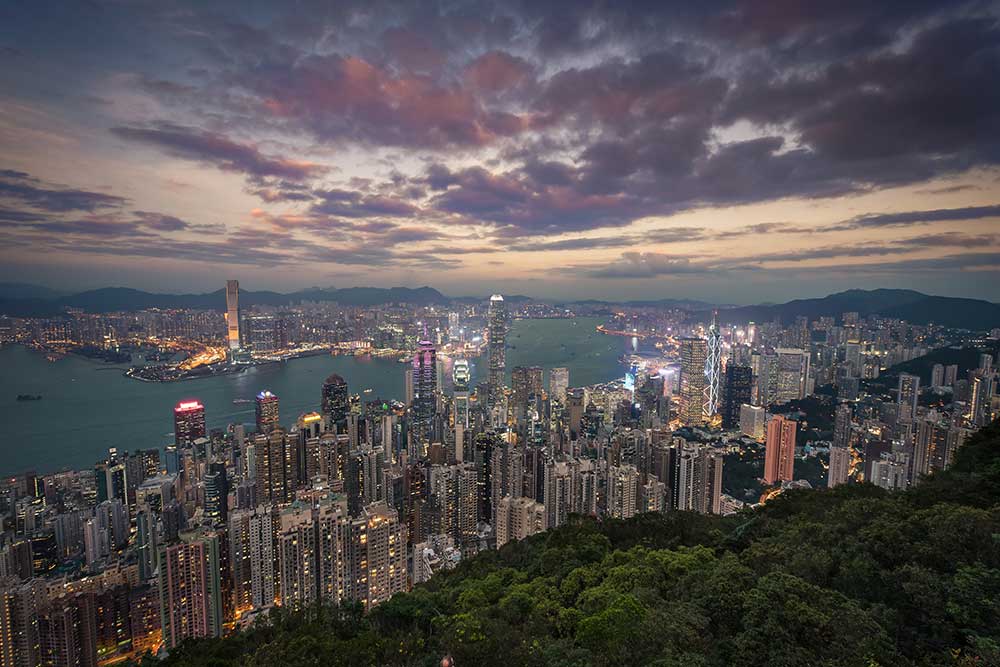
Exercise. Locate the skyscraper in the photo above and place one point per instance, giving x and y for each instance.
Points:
(424, 370)
(497, 333)
(981, 398)
(738, 388)
(779, 457)
(189, 422)
(793, 375)
(267, 412)
(525, 382)
(252, 557)
(840, 466)
(460, 381)
(233, 314)
(908, 393)
(216, 493)
(558, 384)
(713, 370)
(190, 588)
(694, 353)
(336, 402)
(752, 420)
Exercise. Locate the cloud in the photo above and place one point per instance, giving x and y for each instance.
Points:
(917, 217)
(22, 187)
(217, 150)
(646, 265)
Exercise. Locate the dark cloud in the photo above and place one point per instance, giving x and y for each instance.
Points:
(217, 150)
(23, 188)
(907, 218)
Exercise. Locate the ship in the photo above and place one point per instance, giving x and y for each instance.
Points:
(29, 397)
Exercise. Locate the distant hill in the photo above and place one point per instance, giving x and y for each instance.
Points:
(909, 305)
(27, 291)
(113, 299)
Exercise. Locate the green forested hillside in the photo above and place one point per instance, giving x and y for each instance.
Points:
(852, 576)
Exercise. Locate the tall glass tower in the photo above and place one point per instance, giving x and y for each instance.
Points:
(233, 313)
(713, 370)
(497, 332)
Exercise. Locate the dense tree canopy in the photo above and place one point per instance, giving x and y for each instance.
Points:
(842, 577)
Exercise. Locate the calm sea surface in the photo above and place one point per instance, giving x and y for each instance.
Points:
(88, 406)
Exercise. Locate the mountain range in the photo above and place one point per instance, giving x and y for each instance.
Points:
(22, 300)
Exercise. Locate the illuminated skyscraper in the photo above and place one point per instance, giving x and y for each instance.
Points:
(694, 353)
(233, 314)
(779, 457)
(336, 403)
(189, 422)
(424, 370)
(713, 370)
(497, 332)
(460, 381)
(267, 411)
(981, 398)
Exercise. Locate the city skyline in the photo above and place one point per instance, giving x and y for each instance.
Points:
(734, 153)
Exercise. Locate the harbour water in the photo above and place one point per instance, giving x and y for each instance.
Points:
(88, 407)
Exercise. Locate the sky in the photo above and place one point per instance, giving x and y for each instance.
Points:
(735, 151)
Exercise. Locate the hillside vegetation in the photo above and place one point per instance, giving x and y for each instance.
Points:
(851, 576)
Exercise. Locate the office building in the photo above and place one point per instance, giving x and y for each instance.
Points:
(558, 384)
(189, 422)
(497, 335)
(336, 402)
(792, 375)
(737, 391)
(753, 421)
(713, 370)
(233, 314)
(694, 354)
(424, 370)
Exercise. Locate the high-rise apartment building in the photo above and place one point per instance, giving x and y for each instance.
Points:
(267, 412)
(779, 456)
(252, 558)
(190, 588)
(908, 391)
(517, 518)
(840, 466)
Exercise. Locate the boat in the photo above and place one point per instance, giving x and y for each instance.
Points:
(368, 391)
(29, 397)
(239, 401)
